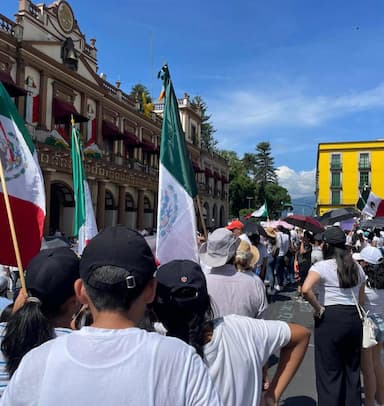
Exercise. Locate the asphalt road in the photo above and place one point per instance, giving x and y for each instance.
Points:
(302, 389)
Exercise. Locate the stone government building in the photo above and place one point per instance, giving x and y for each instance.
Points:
(51, 72)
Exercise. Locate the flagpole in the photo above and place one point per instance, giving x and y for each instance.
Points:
(201, 217)
(12, 228)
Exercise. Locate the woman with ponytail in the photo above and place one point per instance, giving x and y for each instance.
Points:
(47, 310)
(338, 280)
(233, 347)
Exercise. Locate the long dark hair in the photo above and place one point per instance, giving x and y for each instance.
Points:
(27, 328)
(190, 324)
(375, 274)
(347, 269)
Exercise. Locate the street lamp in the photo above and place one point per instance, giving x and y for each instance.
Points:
(249, 198)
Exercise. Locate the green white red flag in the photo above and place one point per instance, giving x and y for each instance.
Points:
(84, 224)
(176, 218)
(25, 186)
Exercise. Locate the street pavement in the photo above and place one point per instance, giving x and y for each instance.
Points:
(302, 389)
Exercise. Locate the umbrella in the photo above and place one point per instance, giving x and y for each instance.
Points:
(54, 242)
(377, 222)
(251, 227)
(276, 223)
(335, 215)
(306, 222)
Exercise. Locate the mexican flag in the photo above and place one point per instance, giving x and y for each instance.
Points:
(84, 225)
(261, 212)
(176, 219)
(24, 183)
(370, 204)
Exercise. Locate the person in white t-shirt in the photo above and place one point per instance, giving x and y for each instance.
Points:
(338, 332)
(237, 228)
(113, 362)
(46, 313)
(234, 348)
(372, 261)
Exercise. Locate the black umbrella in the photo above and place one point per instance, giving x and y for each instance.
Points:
(251, 227)
(377, 222)
(55, 242)
(335, 215)
(306, 222)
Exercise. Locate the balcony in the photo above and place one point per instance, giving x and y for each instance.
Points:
(336, 185)
(364, 165)
(336, 165)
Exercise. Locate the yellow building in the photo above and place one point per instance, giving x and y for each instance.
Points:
(346, 168)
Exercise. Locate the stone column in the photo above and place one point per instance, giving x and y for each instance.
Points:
(100, 209)
(43, 100)
(121, 208)
(83, 112)
(47, 174)
(140, 209)
(20, 79)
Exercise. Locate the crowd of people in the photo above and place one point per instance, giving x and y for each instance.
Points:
(126, 330)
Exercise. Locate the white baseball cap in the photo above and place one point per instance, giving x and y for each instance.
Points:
(369, 254)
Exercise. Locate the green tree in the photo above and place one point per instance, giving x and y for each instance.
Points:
(264, 169)
(137, 92)
(208, 141)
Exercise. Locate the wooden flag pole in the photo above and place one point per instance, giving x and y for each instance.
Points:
(201, 217)
(12, 228)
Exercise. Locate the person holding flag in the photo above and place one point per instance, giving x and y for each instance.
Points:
(22, 194)
(176, 216)
(84, 225)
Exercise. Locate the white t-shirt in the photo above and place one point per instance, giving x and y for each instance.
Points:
(234, 292)
(4, 376)
(111, 367)
(328, 288)
(282, 241)
(239, 348)
(374, 300)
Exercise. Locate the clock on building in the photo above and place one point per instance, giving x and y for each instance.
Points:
(65, 17)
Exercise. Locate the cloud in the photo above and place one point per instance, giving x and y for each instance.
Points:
(290, 107)
(298, 184)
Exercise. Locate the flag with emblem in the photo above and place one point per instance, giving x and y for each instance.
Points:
(24, 184)
(261, 212)
(84, 225)
(176, 218)
(370, 204)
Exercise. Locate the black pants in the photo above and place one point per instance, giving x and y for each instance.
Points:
(338, 338)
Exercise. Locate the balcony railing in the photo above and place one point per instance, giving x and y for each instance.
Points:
(336, 165)
(364, 165)
(336, 185)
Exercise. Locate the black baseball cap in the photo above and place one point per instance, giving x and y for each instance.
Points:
(334, 236)
(51, 274)
(182, 283)
(121, 247)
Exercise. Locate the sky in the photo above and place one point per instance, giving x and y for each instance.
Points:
(290, 72)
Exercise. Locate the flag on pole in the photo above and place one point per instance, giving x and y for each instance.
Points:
(261, 212)
(84, 225)
(25, 186)
(370, 204)
(176, 219)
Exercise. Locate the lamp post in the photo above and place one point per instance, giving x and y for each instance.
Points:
(249, 198)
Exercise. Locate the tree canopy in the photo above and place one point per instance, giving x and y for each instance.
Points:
(207, 140)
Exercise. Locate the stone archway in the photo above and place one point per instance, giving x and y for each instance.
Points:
(148, 214)
(61, 207)
(130, 211)
(110, 208)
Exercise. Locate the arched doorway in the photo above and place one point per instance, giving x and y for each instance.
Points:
(214, 216)
(148, 214)
(61, 209)
(110, 210)
(130, 211)
(222, 220)
(206, 215)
